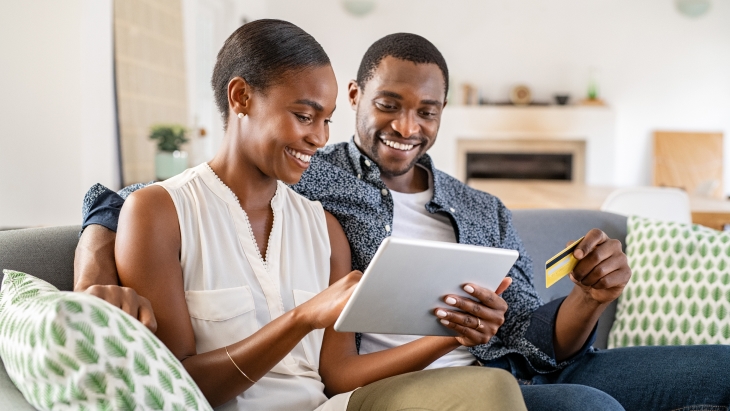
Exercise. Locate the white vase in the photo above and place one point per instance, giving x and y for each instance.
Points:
(168, 164)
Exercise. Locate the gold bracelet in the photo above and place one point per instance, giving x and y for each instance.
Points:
(236, 365)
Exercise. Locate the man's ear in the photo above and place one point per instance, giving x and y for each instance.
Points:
(353, 93)
(239, 95)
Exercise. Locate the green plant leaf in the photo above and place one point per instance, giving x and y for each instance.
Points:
(73, 306)
(121, 374)
(114, 346)
(165, 380)
(99, 317)
(68, 361)
(190, 400)
(77, 393)
(153, 398)
(54, 367)
(124, 333)
(103, 405)
(85, 329)
(125, 401)
(173, 369)
(140, 364)
(96, 381)
(86, 352)
(148, 349)
(58, 334)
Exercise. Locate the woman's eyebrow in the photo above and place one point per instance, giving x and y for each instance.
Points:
(310, 103)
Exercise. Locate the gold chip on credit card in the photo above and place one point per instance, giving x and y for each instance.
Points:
(561, 264)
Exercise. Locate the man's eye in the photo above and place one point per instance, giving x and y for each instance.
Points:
(427, 114)
(385, 107)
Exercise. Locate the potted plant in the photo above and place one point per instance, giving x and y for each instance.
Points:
(170, 160)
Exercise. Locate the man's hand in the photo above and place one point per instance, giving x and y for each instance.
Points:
(128, 300)
(478, 320)
(95, 272)
(603, 270)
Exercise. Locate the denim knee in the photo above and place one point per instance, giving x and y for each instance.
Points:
(567, 397)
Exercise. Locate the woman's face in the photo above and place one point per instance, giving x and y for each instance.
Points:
(288, 122)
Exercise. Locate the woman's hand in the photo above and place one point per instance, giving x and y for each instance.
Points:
(324, 308)
(476, 321)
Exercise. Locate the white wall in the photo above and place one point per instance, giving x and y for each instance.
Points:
(657, 69)
(56, 108)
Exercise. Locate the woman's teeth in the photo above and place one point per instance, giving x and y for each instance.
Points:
(397, 146)
(299, 155)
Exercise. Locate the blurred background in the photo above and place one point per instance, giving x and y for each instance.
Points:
(82, 83)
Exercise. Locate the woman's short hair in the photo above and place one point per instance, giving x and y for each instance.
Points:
(262, 52)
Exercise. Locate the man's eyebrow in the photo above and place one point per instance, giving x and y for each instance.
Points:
(310, 103)
(432, 102)
(385, 93)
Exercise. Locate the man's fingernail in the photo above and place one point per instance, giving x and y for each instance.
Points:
(450, 300)
(441, 313)
(445, 322)
(578, 253)
(469, 289)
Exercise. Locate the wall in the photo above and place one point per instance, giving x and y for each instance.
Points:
(656, 68)
(56, 108)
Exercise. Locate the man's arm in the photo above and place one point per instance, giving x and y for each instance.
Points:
(95, 270)
(600, 277)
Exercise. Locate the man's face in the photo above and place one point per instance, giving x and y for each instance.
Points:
(398, 113)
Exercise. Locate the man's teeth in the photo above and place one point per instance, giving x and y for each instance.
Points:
(299, 155)
(398, 146)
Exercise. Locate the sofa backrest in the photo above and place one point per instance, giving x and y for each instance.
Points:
(545, 232)
(47, 253)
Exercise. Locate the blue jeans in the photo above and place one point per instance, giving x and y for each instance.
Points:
(687, 378)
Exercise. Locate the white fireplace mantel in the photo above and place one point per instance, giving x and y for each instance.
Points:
(593, 125)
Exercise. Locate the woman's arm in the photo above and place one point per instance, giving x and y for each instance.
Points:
(341, 368)
(147, 255)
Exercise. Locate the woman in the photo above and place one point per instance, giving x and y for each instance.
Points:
(237, 265)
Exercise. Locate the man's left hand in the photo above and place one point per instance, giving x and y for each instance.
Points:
(602, 271)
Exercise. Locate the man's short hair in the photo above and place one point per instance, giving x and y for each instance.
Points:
(403, 46)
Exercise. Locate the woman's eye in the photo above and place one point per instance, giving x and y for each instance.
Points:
(303, 119)
(328, 121)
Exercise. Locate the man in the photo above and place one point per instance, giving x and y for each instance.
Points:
(383, 183)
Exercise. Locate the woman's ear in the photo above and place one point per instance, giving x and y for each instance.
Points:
(239, 93)
(353, 94)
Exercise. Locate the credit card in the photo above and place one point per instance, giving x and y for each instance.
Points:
(561, 264)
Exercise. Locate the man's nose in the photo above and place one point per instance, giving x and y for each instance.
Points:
(406, 124)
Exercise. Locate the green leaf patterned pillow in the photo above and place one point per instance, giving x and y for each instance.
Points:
(679, 293)
(66, 350)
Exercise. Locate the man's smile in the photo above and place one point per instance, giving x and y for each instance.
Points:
(398, 146)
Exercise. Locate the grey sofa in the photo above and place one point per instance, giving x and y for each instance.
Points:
(48, 253)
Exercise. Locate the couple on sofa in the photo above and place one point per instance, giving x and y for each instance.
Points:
(240, 263)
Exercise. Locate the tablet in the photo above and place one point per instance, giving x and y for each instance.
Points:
(407, 279)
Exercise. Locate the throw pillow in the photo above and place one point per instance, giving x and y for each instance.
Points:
(66, 350)
(679, 293)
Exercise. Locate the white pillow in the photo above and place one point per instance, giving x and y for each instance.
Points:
(679, 293)
(66, 350)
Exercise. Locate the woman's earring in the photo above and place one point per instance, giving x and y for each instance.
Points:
(241, 115)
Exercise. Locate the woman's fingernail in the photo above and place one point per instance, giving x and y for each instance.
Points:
(445, 322)
(450, 300)
(441, 313)
(469, 289)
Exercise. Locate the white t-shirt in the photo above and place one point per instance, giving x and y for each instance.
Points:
(412, 220)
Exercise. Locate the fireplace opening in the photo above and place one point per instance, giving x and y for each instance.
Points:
(520, 166)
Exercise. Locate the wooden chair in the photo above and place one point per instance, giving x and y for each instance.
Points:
(690, 161)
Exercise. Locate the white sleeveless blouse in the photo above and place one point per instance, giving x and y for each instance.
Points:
(231, 291)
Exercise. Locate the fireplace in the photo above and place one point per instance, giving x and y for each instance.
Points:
(522, 159)
(520, 166)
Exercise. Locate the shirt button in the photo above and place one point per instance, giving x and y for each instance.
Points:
(384, 192)
(387, 227)
(359, 177)
(452, 209)
(367, 163)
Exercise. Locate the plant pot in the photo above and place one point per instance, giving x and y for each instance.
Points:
(168, 164)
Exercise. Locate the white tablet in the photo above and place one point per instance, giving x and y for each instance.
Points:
(407, 279)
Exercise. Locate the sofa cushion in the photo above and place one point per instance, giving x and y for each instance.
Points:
(679, 293)
(68, 350)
